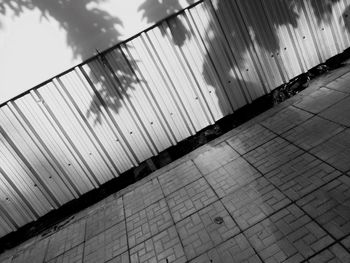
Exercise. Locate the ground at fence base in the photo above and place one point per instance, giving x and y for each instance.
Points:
(274, 189)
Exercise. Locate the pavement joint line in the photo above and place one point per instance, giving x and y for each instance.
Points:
(283, 163)
(320, 116)
(104, 230)
(340, 124)
(153, 175)
(342, 239)
(321, 250)
(341, 75)
(302, 196)
(241, 155)
(345, 97)
(337, 240)
(83, 254)
(165, 196)
(296, 125)
(172, 219)
(46, 250)
(295, 202)
(45, 261)
(308, 151)
(325, 86)
(85, 235)
(329, 73)
(240, 229)
(170, 193)
(174, 224)
(126, 230)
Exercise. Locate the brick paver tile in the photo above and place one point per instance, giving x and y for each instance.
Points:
(341, 84)
(215, 158)
(179, 177)
(164, 247)
(339, 112)
(234, 250)
(286, 119)
(75, 255)
(254, 202)
(334, 254)
(287, 236)
(65, 239)
(312, 132)
(272, 154)
(142, 197)
(250, 138)
(330, 206)
(123, 258)
(346, 242)
(33, 253)
(148, 222)
(336, 151)
(106, 245)
(190, 199)
(301, 176)
(232, 176)
(320, 100)
(200, 232)
(105, 217)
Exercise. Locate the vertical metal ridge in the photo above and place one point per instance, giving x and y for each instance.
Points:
(47, 151)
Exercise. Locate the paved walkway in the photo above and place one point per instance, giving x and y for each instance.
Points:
(276, 189)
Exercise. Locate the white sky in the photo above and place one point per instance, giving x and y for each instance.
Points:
(34, 49)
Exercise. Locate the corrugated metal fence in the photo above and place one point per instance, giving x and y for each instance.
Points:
(88, 125)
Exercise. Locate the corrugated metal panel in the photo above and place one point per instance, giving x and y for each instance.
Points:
(87, 126)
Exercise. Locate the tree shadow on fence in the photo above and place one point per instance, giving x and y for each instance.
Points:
(261, 31)
(155, 10)
(82, 23)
